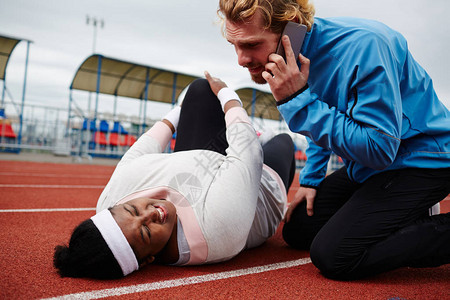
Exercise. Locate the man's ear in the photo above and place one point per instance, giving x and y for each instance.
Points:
(148, 260)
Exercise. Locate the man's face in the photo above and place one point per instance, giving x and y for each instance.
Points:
(253, 44)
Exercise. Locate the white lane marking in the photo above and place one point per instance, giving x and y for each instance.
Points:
(51, 186)
(46, 209)
(139, 288)
(55, 175)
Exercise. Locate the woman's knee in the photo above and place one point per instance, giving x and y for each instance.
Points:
(200, 99)
(199, 83)
(284, 139)
(199, 89)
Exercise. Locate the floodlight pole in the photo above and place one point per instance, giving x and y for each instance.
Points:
(94, 22)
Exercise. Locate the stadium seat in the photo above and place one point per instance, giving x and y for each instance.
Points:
(131, 139)
(118, 128)
(92, 125)
(6, 130)
(100, 138)
(104, 126)
(114, 139)
(299, 155)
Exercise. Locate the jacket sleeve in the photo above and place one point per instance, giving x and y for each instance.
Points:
(316, 164)
(368, 131)
(153, 141)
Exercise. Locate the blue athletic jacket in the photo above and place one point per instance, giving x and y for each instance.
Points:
(368, 101)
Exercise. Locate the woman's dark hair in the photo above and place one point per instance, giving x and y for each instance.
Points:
(87, 255)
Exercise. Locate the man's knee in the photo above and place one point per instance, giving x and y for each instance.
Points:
(295, 238)
(300, 231)
(322, 257)
(334, 260)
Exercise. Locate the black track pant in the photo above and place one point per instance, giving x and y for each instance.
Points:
(202, 126)
(364, 229)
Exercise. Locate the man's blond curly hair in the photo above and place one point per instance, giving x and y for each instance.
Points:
(275, 13)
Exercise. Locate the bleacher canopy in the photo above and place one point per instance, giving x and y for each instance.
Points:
(125, 79)
(7, 45)
(111, 76)
(264, 103)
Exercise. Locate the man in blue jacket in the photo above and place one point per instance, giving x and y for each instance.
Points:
(355, 91)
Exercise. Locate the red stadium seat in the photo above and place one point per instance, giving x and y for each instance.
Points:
(299, 155)
(100, 138)
(114, 139)
(123, 141)
(6, 130)
(131, 140)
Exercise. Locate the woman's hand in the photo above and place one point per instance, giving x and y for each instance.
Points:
(228, 98)
(215, 83)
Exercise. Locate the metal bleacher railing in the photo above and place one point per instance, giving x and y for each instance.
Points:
(41, 128)
(45, 130)
(103, 137)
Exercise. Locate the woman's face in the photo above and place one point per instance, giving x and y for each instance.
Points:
(146, 223)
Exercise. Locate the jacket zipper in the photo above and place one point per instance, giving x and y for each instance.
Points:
(355, 95)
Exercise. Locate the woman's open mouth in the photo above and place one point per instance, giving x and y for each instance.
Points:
(162, 214)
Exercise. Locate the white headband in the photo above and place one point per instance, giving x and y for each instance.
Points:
(116, 241)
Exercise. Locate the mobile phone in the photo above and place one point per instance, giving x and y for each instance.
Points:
(296, 33)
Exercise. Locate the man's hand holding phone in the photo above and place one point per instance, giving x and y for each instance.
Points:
(284, 77)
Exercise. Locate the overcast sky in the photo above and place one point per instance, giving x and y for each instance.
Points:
(181, 36)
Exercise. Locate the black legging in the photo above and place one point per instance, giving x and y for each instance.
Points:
(279, 154)
(202, 123)
(202, 126)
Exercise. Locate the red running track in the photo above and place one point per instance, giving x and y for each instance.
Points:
(38, 203)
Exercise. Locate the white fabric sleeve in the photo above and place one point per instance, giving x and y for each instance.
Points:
(153, 141)
(226, 94)
(229, 218)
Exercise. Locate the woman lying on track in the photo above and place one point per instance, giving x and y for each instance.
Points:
(214, 196)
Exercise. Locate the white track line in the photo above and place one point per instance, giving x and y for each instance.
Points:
(52, 175)
(139, 288)
(51, 186)
(46, 209)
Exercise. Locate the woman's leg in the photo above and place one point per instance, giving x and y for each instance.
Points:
(202, 123)
(279, 154)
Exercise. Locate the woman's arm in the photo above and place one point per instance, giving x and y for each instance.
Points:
(156, 138)
(232, 197)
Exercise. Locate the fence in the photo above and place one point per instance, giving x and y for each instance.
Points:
(40, 130)
(45, 129)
